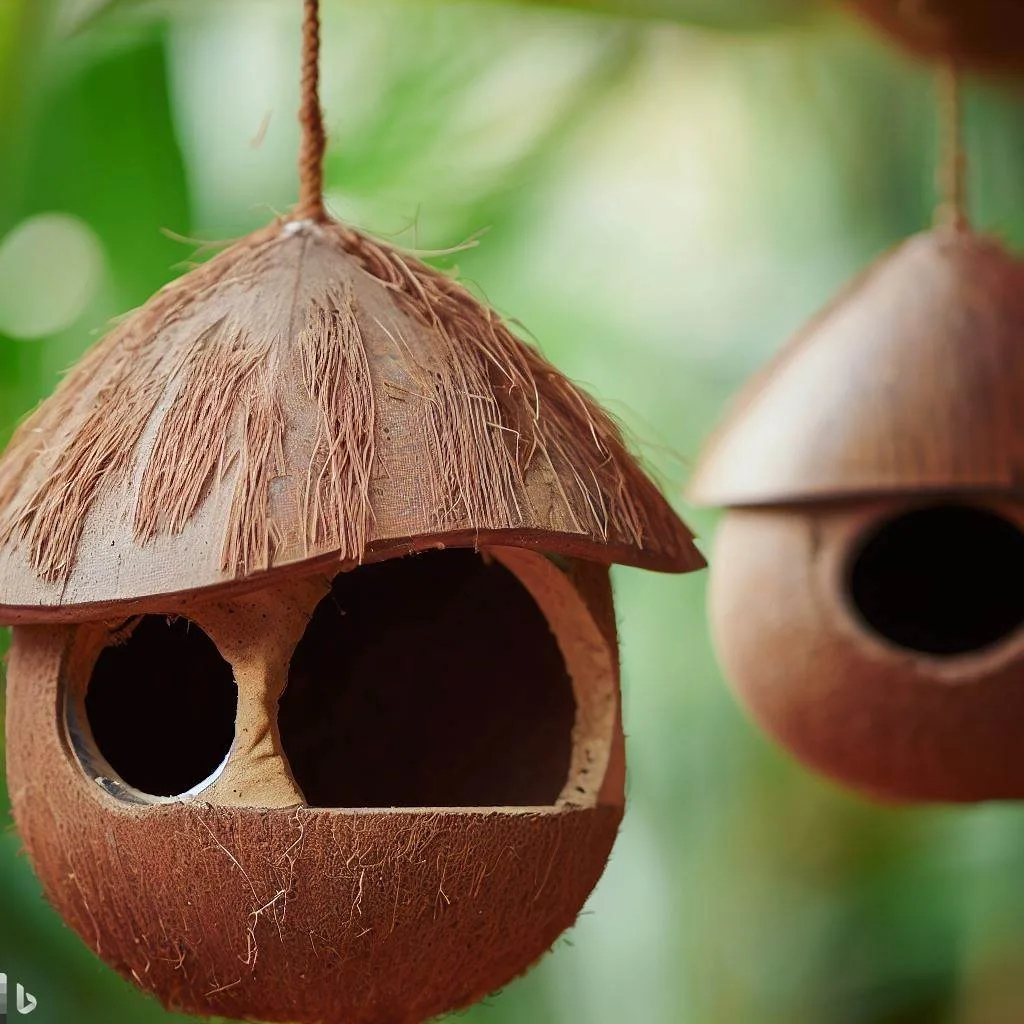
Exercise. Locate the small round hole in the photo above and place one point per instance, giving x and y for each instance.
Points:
(943, 580)
(161, 707)
(428, 681)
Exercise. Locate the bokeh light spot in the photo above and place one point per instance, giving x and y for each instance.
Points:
(51, 266)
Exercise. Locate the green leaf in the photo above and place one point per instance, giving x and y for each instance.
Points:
(23, 26)
(734, 15)
(106, 151)
(731, 15)
(88, 13)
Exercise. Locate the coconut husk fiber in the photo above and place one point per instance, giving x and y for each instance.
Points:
(308, 395)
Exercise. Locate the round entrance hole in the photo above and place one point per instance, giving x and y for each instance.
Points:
(428, 681)
(161, 707)
(945, 579)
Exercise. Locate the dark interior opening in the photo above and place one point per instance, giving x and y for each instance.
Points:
(161, 706)
(946, 579)
(428, 681)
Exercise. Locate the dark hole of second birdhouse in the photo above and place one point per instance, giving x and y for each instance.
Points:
(428, 681)
(944, 579)
(161, 707)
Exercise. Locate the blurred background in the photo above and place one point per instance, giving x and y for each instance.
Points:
(661, 190)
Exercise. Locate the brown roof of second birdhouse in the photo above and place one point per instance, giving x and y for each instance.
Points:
(911, 381)
(309, 395)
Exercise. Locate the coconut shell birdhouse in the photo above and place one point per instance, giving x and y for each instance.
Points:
(867, 600)
(313, 708)
(866, 597)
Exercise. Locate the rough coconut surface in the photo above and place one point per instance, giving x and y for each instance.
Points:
(292, 914)
(309, 394)
(897, 724)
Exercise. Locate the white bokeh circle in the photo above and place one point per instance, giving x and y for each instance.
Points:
(51, 266)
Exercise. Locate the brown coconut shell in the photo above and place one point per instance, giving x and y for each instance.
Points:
(895, 723)
(910, 381)
(308, 396)
(284, 912)
(983, 34)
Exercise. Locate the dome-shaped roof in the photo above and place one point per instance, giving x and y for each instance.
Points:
(912, 380)
(308, 395)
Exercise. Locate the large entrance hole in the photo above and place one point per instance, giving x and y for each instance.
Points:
(161, 707)
(946, 580)
(428, 681)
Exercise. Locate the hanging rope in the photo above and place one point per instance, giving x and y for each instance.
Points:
(952, 173)
(311, 119)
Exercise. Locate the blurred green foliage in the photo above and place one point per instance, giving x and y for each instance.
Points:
(663, 202)
(736, 15)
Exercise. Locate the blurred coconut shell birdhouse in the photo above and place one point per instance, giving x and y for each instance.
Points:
(867, 598)
(313, 704)
(986, 35)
